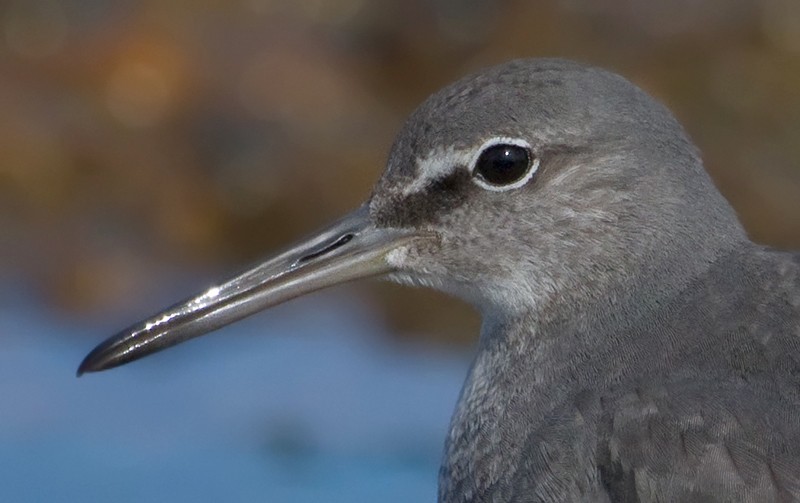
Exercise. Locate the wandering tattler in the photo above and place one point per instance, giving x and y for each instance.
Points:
(635, 346)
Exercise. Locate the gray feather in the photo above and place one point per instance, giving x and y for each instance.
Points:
(636, 345)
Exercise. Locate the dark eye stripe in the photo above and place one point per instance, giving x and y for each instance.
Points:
(438, 198)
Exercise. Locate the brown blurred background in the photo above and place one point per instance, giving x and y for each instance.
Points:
(143, 137)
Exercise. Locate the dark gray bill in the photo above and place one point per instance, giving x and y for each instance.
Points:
(351, 248)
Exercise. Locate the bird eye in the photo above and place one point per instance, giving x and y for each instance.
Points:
(504, 166)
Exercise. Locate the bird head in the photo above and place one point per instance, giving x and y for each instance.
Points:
(546, 182)
(533, 184)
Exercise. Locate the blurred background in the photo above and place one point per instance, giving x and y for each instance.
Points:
(150, 148)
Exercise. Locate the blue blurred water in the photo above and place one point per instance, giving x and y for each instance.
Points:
(309, 402)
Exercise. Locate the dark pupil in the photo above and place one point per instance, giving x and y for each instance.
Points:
(503, 164)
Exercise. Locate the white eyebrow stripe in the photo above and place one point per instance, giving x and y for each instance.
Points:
(443, 161)
(438, 164)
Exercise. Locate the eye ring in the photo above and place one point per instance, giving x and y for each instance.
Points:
(504, 164)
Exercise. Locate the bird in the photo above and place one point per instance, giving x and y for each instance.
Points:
(635, 344)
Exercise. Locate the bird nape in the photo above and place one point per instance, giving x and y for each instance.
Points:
(636, 346)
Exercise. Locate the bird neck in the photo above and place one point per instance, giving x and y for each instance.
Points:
(531, 362)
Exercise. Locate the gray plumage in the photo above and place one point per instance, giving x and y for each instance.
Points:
(635, 347)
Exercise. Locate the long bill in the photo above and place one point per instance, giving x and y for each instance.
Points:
(351, 248)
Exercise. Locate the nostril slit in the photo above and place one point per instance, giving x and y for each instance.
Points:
(336, 244)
